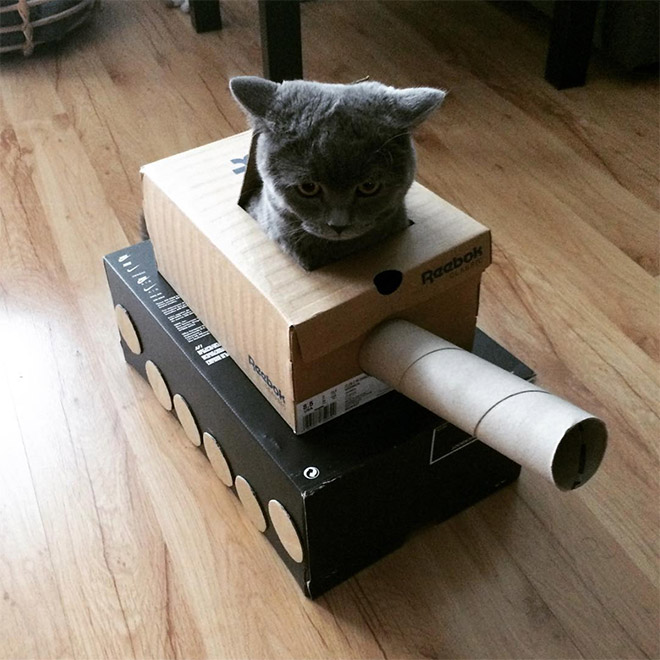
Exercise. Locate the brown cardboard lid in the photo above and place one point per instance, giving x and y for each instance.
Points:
(332, 305)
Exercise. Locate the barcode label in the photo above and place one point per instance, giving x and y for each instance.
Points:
(337, 400)
(316, 417)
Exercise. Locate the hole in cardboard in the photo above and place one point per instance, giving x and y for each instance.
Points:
(579, 454)
(388, 281)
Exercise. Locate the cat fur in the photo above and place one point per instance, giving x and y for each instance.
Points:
(341, 140)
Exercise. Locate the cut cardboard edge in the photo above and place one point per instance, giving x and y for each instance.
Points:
(252, 180)
(583, 445)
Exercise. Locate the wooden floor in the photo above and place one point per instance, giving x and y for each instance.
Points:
(116, 538)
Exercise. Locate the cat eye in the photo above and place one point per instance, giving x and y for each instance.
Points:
(367, 188)
(308, 188)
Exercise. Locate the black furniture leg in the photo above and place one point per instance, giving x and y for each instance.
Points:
(281, 45)
(570, 42)
(205, 15)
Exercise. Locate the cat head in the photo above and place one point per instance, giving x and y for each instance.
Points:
(338, 159)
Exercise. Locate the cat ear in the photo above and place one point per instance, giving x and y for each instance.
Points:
(415, 104)
(254, 95)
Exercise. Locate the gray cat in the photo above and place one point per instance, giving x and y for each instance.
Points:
(335, 160)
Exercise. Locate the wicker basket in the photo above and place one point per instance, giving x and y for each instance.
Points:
(26, 23)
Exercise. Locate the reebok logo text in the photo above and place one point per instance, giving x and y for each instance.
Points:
(429, 276)
(273, 388)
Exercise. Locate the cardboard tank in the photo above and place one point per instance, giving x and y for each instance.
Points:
(301, 421)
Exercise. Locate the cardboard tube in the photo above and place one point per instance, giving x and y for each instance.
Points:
(536, 429)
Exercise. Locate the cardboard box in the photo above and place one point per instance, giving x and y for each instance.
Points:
(333, 500)
(297, 334)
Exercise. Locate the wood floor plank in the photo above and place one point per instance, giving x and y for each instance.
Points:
(64, 492)
(534, 115)
(586, 118)
(84, 495)
(33, 621)
(565, 582)
(443, 582)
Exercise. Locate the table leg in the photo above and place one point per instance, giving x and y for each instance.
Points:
(205, 15)
(570, 42)
(281, 44)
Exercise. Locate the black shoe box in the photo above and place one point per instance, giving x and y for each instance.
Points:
(349, 491)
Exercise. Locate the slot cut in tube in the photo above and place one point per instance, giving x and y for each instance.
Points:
(531, 426)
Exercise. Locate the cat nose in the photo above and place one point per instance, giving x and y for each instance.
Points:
(339, 220)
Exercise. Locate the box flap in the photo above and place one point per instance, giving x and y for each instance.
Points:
(252, 180)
